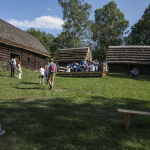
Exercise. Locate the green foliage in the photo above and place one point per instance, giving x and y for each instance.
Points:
(109, 25)
(140, 32)
(108, 28)
(44, 38)
(75, 14)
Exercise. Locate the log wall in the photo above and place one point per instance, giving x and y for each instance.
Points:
(121, 68)
(29, 60)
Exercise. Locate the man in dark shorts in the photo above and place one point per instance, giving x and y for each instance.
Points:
(52, 73)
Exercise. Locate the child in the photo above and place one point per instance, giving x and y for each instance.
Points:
(41, 70)
(19, 70)
(46, 74)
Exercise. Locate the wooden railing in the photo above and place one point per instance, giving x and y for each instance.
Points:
(62, 69)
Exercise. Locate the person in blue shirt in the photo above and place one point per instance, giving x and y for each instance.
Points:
(12, 67)
(82, 64)
(78, 69)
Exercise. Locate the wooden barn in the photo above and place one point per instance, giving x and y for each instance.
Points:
(70, 55)
(25, 47)
(122, 58)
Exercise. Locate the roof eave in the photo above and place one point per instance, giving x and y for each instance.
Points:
(22, 46)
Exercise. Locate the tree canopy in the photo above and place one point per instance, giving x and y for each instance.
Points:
(140, 32)
(76, 19)
(108, 28)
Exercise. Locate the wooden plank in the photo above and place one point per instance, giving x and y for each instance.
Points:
(133, 112)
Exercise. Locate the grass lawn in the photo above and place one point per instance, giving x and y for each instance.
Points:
(78, 114)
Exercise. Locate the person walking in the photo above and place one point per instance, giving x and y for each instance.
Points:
(46, 74)
(12, 67)
(52, 73)
(41, 70)
(19, 70)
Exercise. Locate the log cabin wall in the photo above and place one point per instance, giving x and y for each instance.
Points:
(122, 58)
(117, 68)
(4, 53)
(29, 60)
(70, 55)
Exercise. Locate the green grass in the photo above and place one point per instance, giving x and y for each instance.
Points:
(78, 114)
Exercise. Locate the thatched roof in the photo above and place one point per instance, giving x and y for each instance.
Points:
(11, 35)
(128, 54)
(74, 54)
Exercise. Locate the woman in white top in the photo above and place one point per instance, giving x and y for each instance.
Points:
(68, 68)
(19, 70)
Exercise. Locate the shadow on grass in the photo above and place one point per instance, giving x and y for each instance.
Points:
(29, 88)
(63, 124)
(121, 75)
(28, 83)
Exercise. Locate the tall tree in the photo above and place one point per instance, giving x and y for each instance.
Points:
(75, 15)
(109, 26)
(140, 32)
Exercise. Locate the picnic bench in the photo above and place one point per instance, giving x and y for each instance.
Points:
(130, 113)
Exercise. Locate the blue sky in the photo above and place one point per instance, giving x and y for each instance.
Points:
(46, 15)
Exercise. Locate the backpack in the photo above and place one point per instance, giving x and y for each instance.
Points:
(52, 68)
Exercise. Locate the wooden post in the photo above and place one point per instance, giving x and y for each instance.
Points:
(127, 119)
(128, 68)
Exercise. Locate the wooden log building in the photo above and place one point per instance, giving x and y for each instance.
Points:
(122, 58)
(25, 47)
(70, 55)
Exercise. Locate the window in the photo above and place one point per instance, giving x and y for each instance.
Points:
(28, 60)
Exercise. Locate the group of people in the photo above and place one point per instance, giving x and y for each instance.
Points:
(134, 72)
(85, 66)
(14, 66)
(49, 72)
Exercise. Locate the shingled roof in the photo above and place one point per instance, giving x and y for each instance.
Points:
(14, 36)
(128, 54)
(74, 54)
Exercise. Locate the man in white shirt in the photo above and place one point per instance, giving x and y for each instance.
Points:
(14, 63)
(41, 70)
(92, 68)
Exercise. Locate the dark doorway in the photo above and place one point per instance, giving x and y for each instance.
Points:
(131, 67)
(15, 56)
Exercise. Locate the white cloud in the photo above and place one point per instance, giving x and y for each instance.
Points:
(50, 9)
(45, 22)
